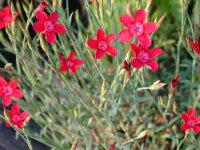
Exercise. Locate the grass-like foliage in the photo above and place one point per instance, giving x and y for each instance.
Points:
(103, 102)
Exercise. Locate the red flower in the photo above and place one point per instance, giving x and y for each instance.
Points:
(48, 25)
(174, 81)
(42, 5)
(5, 17)
(16, 117)
(190, 122)
(136, 26)
(145, 56)
(102, 44)
(7, 90)
(195, 45)
(70, 63)
(111, 148)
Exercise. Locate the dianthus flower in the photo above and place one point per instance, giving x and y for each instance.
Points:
(136, 26)
(8, 90)
(143, 56)
(48, 25)
(70, 63)
(5, 17)
(190, 122)
(16, 117)
(102, 44)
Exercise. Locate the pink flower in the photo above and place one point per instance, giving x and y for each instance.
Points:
(136, 26)
(48, 25)
(70, 63)
(5, 17)
(190, 122)
(7, 90)
(16, 117)
(174, 81)
(102, 44)
(42, 5)
(145, 56)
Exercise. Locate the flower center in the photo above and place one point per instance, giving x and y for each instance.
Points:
(137, 28)
(15, 118)
(49, 26)
(69, 64)
(102, 45)
(143, 56)
(6, 19)
(7, 90)
(190, 122)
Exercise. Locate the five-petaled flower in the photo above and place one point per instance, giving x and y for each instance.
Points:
(145, 56)
(7, 90)
(190, 122)
(102, 44)
(174, 81)
(5, 17)
(16, 117)
(136, 26)
(70, 63)
(195, 45)
(48, 25)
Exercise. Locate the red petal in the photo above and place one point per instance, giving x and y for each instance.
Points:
(184, 127)
(38, 26)
(134, 49)
(125, 35)
(50, 37)
(15, 109)
(6, 10)
(184, 117)
(6, 100)
(140, 16)
(17, 93)
(2, 25)
(60, 28)
(62, 59)
(99, 54)
(150, 27)
(195, 129)
(63, 68)
(126, 20)
(19, 124)
(136, 63)
(78, 62)
(13, 84)
(1, 92)
(73, 70)
(53, 17)
(92, 43)
(24, 115)
(191, 113)
(154, 52)
(197, 120)
(3, 82)
(144, 39)
(101, 35)
(152, 65)
(41, 16)
(7, 124)
(111, 38)
(112, 51)
(71, 55)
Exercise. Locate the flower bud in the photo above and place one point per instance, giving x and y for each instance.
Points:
(42, 5)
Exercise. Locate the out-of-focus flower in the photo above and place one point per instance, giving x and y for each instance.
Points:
(111, 148)
(70, 63)
(8, 90)
(174, 81)
(16, 117)
(48, 25)
(102, 44)
(145, 57)
(5, 17)
(190, 122)
(136, 26)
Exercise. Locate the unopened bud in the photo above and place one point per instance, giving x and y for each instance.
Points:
(74, 144)
(157, 85)
(95, 134)
(42, 5)
(89, 121)
(128, 9)
(122, 126)
(75, 112)
(160, 21)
